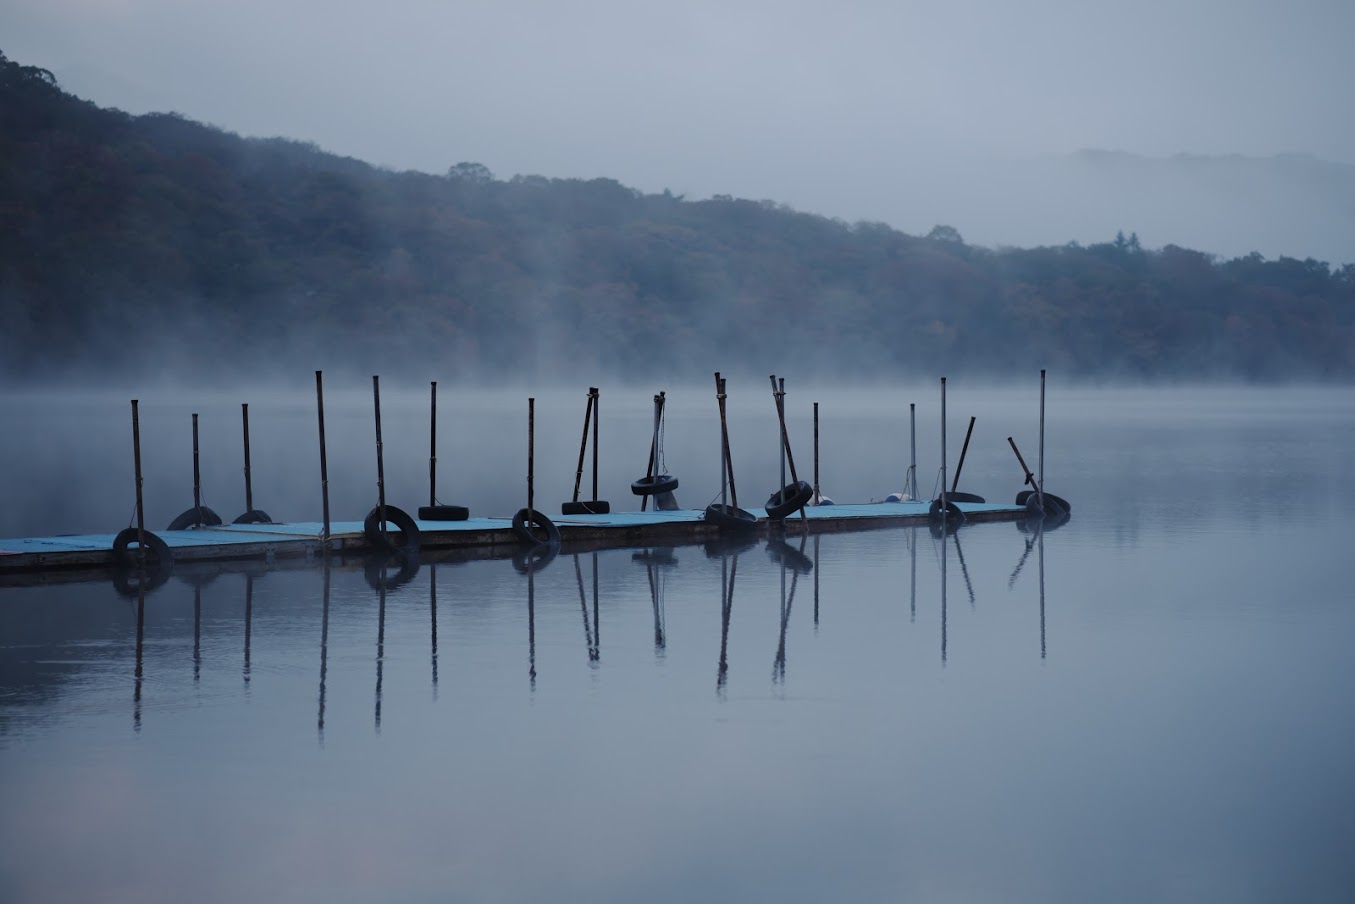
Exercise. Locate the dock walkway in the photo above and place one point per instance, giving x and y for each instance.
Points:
(489, 535)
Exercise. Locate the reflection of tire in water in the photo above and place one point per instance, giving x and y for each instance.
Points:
(128, 582)
(380, 564)
(658, 557)
(729, 545)
(783, 553)
(535, 558)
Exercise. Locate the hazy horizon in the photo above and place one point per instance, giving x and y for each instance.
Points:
(874, 112)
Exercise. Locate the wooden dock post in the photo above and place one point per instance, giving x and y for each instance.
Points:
(324, 468)
(964, 450)
(583, 447)
(944, 513)
(531, 461)
(1039, 484)
(380, 464)
(197, 472)
(433, 445)
(140, 507)
(249, 489)
(912, 462)
(597, 398)
(816, 461)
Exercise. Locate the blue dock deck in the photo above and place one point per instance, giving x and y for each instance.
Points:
(306, 538)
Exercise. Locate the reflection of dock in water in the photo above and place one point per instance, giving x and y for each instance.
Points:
(792, 558)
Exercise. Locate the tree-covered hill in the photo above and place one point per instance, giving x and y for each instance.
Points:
(154, 243)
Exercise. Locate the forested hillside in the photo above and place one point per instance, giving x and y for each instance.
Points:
(131, 245)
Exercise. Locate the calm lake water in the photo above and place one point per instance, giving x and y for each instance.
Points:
(1151, 703)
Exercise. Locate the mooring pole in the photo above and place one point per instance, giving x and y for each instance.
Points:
(653, 450)
(433, 445)
(597, 400)
(912, 466)
(140, 508)
(816, 478)
(776, 400)
(724, 441)
(531, 465)
(944, 513)
(197, 473)
(955, 483)
(1039, 485)
(1030, 478)
(380, 465)
(324, 467)
(724, 445)
(249, 487)
(583, 443)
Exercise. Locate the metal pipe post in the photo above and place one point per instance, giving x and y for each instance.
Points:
(816, 469)
(912, 435)
(249, 487)
(324, 467)
(433, 445)
(531, 465)
(1039, 486)
(380, 464)
(724, 445)
(943, 450)
(597, 400)
(197, 472)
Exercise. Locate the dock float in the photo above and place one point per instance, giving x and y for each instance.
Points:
(487, 536)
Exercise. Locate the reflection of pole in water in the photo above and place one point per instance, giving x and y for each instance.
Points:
(380, 643)
(816, 575)
(1040, 531)
(531, 621)
(787, 600)
(324, 650)
(433, 614)
(140, 639)
(912, 596)
(944, 546)
(656, 599)
(964, 569)
(597, 637)
(249, 618)
(197, 632)
(728, 571)
(583, 607)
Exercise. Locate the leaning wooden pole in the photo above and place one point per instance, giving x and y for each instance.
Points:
(249, 486)
(964, 450)
(583, 444)
(324, 467)
(380, 463)
(140, 507)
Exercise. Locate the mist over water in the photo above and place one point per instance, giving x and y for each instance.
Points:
(1145, 704)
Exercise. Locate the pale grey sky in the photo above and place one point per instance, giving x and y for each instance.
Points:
(855, 108)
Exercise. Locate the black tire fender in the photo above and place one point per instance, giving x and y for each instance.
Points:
(157, 550)
(200, 516)
(590, 507)
(789, 500)
(730, 518)
(443, 513)
(652, 486)
(528, 536)
(254, 516)
(410, 537)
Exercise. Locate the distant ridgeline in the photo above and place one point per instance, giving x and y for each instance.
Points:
(139, 244)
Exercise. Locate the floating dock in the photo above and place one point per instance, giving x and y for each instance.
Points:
(475, 536)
